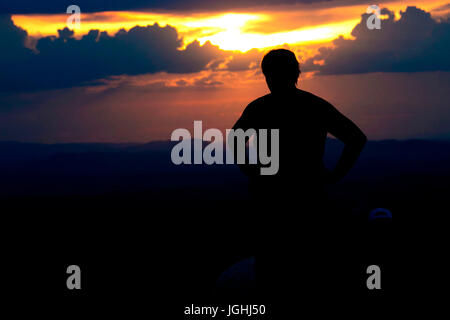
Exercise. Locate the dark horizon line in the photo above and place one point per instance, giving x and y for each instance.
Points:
(447, 140)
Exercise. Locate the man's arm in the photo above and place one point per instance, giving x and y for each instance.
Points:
(354, 139)
(244, 123)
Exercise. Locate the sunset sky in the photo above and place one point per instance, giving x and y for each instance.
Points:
(136, 70)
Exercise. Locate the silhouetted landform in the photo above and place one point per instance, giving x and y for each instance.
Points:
(96, 169)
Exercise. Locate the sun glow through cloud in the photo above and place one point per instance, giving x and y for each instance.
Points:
(229, 30)
(235, 39)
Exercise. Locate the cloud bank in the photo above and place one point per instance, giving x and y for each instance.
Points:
(65, 61)
(414, 43)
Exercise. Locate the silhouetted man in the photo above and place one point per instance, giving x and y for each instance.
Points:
(288, 209)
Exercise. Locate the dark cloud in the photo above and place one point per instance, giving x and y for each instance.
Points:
(51, 6)
(64, 61)
(414, 43)
(245, 61)
(13, 53)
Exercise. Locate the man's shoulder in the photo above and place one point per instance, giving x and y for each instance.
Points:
(312, 97)
(316, 103)
(258, 102)
(261, 100)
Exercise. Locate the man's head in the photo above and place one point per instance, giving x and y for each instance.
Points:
(281, 69)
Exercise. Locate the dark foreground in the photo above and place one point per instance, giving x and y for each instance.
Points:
(153, 237)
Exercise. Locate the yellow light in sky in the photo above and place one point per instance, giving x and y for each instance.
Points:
(224, 30)
(229, 31)
(225, 21)
(234, 39)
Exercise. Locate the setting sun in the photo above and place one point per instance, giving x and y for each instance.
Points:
(235, 39)
(228, 31)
